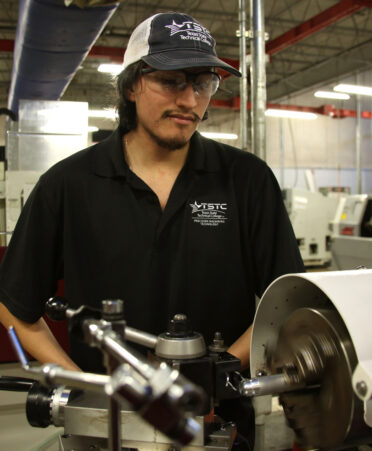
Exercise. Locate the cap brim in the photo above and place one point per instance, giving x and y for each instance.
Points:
(181, 59)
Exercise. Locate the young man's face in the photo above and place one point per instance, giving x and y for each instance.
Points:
(168, 107)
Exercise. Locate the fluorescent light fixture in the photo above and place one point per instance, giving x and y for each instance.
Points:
(215, 135)
(354, 89)
(92, 128)
(107, 114)
(113, 69)
(290, 113)
(331, 95)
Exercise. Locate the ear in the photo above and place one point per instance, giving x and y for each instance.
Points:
(129, 94)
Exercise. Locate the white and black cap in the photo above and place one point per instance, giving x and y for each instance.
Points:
(171, 41)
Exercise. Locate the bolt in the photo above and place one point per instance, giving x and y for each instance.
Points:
(180, 317)
(361, 388)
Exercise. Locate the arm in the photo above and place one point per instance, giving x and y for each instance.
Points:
(38, 340)
(241, 348)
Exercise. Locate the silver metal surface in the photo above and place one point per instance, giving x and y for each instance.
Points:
(315, 345)
(180, 348)
(47, 132)
(114, 418)
(53, 117)
(358, 154)
(219, 440)
(283, 297)
(141, 338)
(268, 385)
(87, 416)
(258, 78)
(244, 77)
(59, 401)
(51, 374)
(349, 252)
(110, 342)
(112, 306)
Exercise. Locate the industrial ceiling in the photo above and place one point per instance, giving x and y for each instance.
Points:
(310, 42)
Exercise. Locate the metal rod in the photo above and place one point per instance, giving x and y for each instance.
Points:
(114, 426)
(258, 78)
(282, 152)
(357, 141)
(118, 349)
(141, 338)
(18, 347)
(267, 385)
(244, 78)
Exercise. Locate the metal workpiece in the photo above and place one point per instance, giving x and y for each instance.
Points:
(169, 347)
(267, 385)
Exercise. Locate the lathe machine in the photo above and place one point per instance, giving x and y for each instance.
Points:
(311, 345)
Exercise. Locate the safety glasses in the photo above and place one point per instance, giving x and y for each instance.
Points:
(204, 83)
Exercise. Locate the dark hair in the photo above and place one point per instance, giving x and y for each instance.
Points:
(124, 82)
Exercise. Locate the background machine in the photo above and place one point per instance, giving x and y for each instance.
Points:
(352, 235)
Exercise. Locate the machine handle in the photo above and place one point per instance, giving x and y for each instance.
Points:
(56, 308)
(11, 383)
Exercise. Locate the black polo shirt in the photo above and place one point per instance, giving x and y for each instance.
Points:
(223, 237)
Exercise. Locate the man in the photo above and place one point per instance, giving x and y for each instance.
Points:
(156, 215)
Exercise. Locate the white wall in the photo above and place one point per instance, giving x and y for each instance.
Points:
(325, 145)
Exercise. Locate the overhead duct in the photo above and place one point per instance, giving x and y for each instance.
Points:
(51, 42)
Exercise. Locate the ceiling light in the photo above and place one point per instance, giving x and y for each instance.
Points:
(354, 89)
(108, 114)
(331, 95)
(290, 113)
(92, 128)
(113, 69)
(215, 135)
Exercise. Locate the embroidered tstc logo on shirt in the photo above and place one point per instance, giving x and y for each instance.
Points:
(208, 213)
(191, 31)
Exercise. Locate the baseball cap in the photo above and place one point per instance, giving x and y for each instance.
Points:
(171, 41)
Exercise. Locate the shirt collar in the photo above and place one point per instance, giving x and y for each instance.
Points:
(109, 158)
(202, 155)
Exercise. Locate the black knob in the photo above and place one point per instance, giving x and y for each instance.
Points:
(179, 327)
(38, 403)
(56, 308)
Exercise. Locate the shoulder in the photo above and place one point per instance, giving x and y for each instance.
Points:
(232, 158)
(78, 162)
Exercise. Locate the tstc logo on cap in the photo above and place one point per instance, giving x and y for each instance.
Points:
(193, 31)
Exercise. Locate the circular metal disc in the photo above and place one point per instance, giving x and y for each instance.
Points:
(317, 345)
